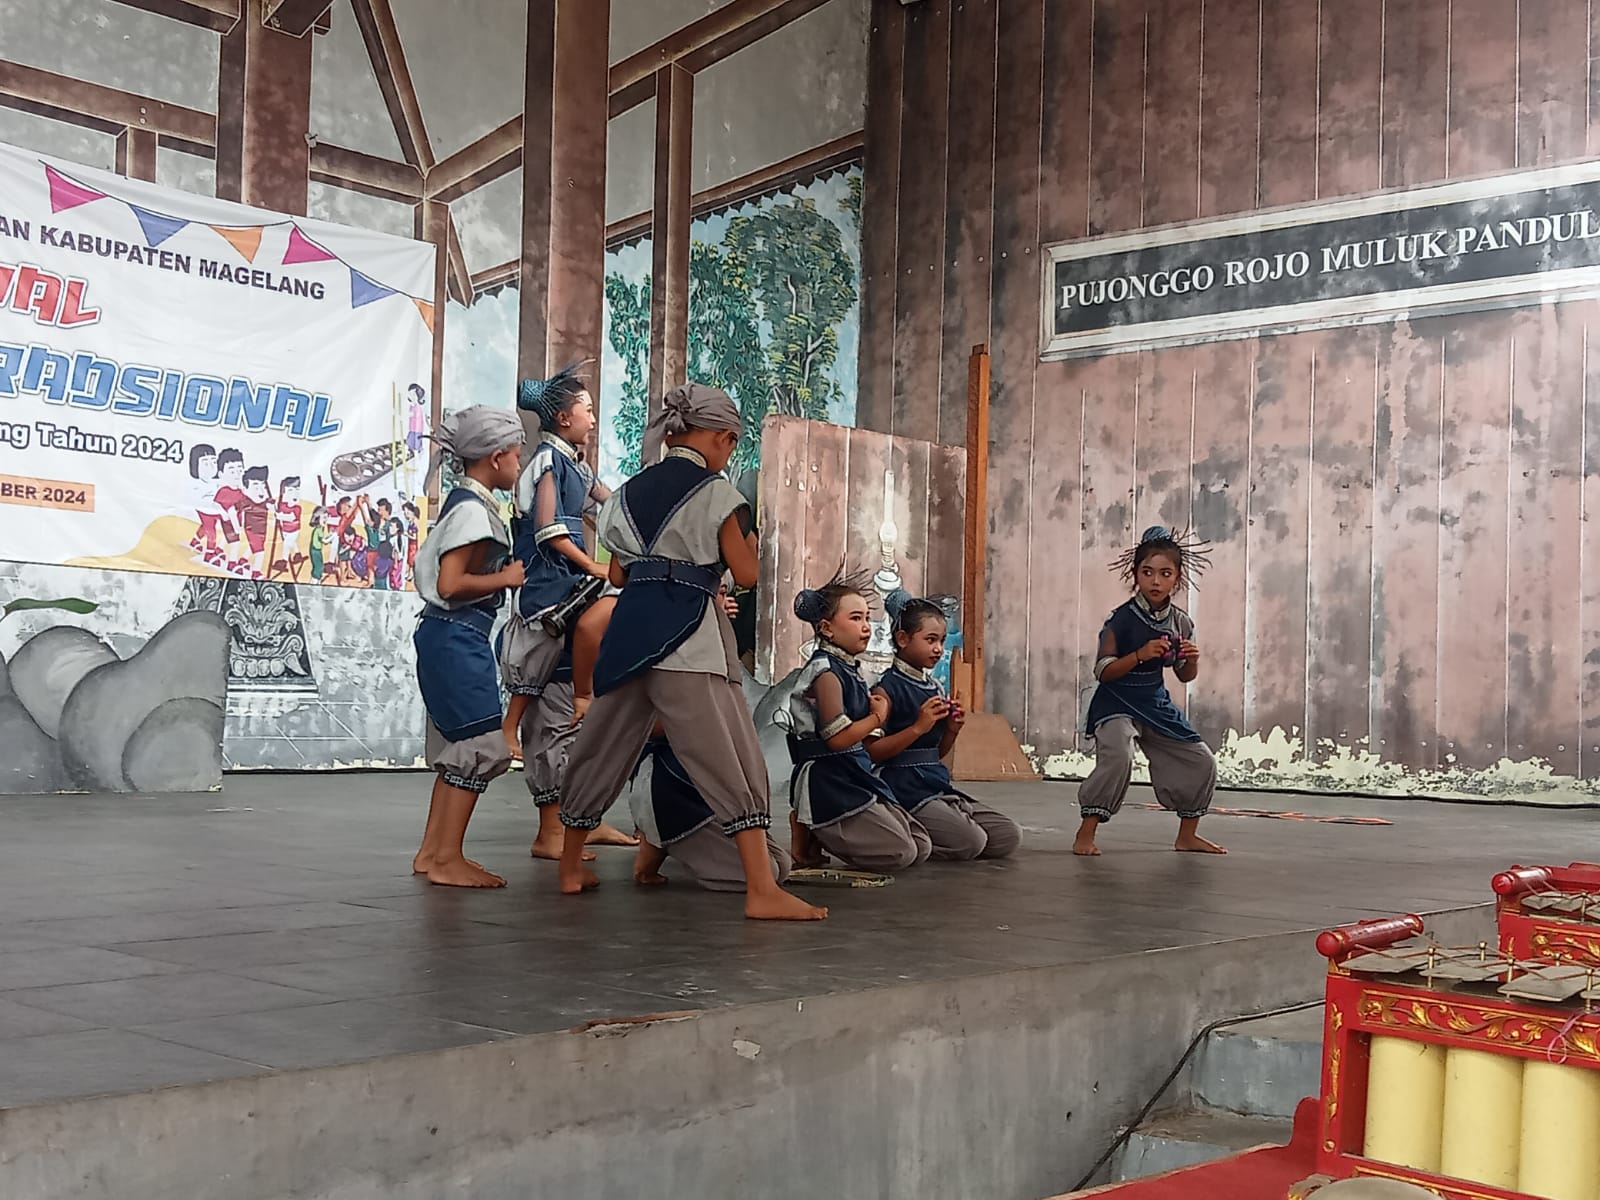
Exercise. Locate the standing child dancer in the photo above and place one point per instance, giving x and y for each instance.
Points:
(920, 732)
(669, 653)
(840, 804)
(1139, 641)
(461, 572)
(550, 500)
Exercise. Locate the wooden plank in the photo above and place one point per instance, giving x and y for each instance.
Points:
(1019, 96)
(1472, 543)
(1543, 645)
(1069, 31)
(870, 459)
(1229, 107)
(975, 525)
(1589, 553)
(1552, 83)
(1349, 115)
(669, 242)
(781, 484)
(434, 219)
(1403, 718)
(1055, 519)
(365, 173)
(697, 35)
(1117, 118)
(296, 17)
(1171, 184)
(826, 519)
(909, 459)
(496, 153)
(947, 486)
(1339, 593)
(263, 114)
(919, 253)
(1287, 162)
(748, 34)
(1483, 87)
(1225, 377)
(1279, 518)
(1416, 85)
(880, 217)
(969, 215)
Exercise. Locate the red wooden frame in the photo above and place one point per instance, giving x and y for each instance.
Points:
(1540, 935)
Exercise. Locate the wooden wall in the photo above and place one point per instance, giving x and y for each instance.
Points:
(1402, 553)
(822, 496)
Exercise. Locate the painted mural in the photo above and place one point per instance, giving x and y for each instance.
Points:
(774, 318)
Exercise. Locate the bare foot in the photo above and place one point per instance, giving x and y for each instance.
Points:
(550, 848)
(1086, 849)
(1195, 844)
(649, 878)
(424, 862)
(581, 880)
(779, 905)
(461, 873)
(609, 835)
(803, 848)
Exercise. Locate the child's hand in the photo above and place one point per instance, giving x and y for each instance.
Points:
(879, 703)
(598, 570)
(1188, 653)
(957, 717)
(730, 606)
(512, 574)
(1154, 650)
(934, 710)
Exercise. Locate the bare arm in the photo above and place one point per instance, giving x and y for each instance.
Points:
(830, 707)
(618, 574)
(457, 582)
(738, 544)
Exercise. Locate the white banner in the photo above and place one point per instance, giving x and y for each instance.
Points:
(193, 386)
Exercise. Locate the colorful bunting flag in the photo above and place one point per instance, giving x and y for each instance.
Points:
(303, 250)
(426, 310)
(65, 194)
(365, 291)
(245, 241)
(157, 227)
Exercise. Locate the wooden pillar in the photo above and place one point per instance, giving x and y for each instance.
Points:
(263, 115)
(136, 154)
(433, 225)
(669, 280)
(974, 554)
(563, 185)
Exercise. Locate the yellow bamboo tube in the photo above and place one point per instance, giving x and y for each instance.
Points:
(1482, 1117)
(1405, 1103)
(1560, 1132)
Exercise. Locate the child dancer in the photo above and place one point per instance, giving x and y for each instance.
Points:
(550, 499)
(462, 570)
(920, 731)
(1139, 641)
(669, 653)
(840, 804)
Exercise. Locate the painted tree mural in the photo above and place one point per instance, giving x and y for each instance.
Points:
(773, 315)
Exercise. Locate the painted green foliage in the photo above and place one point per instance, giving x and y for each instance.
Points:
(764, 307)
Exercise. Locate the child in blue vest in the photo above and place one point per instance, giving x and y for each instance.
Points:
(463, 570)
(920, 732)
(1140, 640)
(669, 652)
(550, 679)
(840, 804)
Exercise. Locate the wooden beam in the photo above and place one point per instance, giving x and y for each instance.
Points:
(136, 154)
(106, 104)
(749, 33)
(696, 36)
(434, 225)
(669, 286)
(496, 276)
(366, 173)
(375, 18)
(219, 15)
(495, 154)
(263, 115)
(296, 17)
(460, 277)
(66, 116)
(974, 550)
(801, 168)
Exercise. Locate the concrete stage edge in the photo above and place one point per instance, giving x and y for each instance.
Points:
(1003, 1086)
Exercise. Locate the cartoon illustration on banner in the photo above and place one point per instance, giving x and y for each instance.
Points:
(193, 386)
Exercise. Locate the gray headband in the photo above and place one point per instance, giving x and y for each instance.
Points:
(478, 432)
(691, 406)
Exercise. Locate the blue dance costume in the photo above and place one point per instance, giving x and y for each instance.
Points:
(917, 774)
(1142, 693)
(827, 786)
(550, 575)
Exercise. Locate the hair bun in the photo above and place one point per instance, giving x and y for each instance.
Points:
(895, 603)
(1156, 533)
(810, 606)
